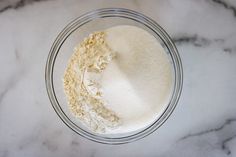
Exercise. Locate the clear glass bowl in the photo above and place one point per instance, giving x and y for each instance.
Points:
(62, 50)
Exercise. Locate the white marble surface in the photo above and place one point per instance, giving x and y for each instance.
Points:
(204, 122)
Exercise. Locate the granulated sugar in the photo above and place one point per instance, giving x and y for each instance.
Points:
(134, 86)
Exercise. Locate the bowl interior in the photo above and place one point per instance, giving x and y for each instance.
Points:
(61, 52)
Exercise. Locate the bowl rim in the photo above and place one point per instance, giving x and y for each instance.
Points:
(122, 13)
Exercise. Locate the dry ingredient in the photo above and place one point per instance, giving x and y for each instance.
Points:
(118, 80)
(84, 96)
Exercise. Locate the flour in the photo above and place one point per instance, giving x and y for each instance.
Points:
(83, 92)
(134, 86)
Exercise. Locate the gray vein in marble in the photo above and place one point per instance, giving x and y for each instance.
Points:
(29, 140)
(17, 55)
(5, 8)
(195, 40)
(49, 145)
(43, 137)
(229, 50)
(224, 144)
(74, 143)
(4, 91)
(8, 86)
(225, 5)
(75, 146)
(227, 122)
(32, 138)
(12, 81)
(18, 4)
(202, 42)
(219, 40)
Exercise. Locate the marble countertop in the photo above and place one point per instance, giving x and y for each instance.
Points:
(204, 122)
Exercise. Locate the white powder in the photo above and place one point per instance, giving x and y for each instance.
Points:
(138, 82)
(134, 87)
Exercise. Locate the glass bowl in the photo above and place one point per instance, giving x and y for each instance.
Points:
(62, 50)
